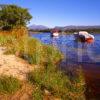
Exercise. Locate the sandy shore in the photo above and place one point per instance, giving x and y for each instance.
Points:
(13, 66)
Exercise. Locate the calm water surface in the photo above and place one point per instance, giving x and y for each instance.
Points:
(76, 53)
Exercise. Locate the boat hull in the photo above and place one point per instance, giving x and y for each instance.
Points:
(89, 40)
(79, 37)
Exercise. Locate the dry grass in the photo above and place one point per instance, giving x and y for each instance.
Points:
(17, 32)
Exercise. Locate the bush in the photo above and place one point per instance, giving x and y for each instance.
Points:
(51, 54)
(12, 16)
(9, 84)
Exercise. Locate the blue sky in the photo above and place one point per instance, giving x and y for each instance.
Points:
(61, 12)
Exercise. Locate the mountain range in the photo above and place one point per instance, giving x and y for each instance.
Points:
(77, 27)
(42, 27)
(37, 27)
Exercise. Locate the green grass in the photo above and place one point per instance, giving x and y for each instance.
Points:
(9, 84)
(53, 80)
(37, 94)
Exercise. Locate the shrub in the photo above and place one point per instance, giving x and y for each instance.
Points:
(36, 52)
(12, 16)
(51, 53)
(9, 84)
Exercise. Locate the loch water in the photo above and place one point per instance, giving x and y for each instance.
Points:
(86, 55)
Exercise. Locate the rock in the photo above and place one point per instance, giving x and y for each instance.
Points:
(47, 92)
(17, 53)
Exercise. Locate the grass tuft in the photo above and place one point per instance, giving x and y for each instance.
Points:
(9, 84)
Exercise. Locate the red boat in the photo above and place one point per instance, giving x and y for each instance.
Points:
(89, 40)
(84, 36)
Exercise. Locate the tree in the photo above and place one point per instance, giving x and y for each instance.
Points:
(12, 15)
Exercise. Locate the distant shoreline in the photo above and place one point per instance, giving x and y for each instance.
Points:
(65, 32)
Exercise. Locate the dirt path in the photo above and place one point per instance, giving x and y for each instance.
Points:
(12, 65)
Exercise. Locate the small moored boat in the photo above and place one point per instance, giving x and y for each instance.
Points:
(55, 33)
(84, 36)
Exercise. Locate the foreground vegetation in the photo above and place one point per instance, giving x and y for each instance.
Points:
(47, 79)
(56, 84)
